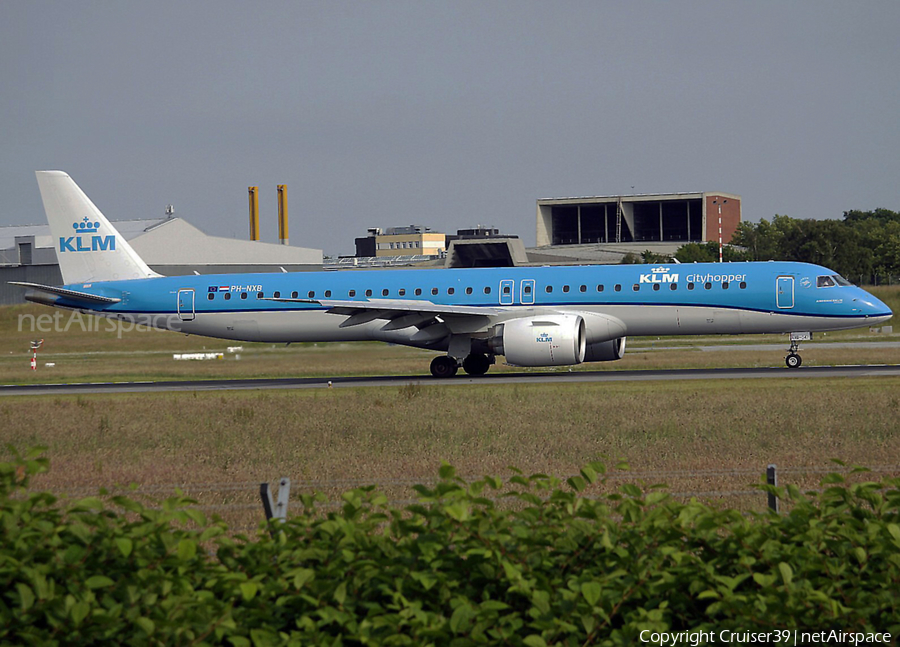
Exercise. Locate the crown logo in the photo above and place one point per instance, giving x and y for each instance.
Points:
(659, 269)
(86, 226)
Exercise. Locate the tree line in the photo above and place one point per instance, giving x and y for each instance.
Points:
(864, 246)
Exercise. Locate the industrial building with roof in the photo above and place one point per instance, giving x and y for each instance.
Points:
(600, 229)
(606, 228)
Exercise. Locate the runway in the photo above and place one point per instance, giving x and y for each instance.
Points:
(548, 377)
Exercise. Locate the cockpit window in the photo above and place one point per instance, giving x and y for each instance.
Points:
(825, 282)
(841, 280)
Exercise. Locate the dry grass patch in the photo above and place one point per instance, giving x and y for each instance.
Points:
(384, 435)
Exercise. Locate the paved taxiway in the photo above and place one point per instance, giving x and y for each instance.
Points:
(554, 377)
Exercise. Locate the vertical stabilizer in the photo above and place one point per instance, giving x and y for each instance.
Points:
(88, 247)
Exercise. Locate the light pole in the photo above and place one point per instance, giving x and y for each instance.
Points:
(719, 202)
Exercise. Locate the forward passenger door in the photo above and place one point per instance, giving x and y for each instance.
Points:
(784, 292)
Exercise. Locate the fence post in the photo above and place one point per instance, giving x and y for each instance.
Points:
(772, 479)
(270, 507)
(266, 499)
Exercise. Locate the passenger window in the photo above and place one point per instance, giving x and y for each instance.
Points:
(690, 286)
(311, 294)
(618, 287)
(565, 288)
(277, 295)
(724, 285)
(368, 293)
(260, 295)
(211, 296)
(549, 289)
(600, 288)
(351, 293)
(487, 290)
(825, 282)
(707, 285)
(636, 287)
(450, 290)
(434, 291)
(527, 289)
(418, 292)
(583, 288)
(227, 296)
(468, 290)
(327, 294)
(385, 292)
(743, 285)
(506, 289)
(294, 295)
(656, 286)
(673, 286)
(402, 292)
(243, 295)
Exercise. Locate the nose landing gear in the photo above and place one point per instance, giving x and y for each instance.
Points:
(793, 359)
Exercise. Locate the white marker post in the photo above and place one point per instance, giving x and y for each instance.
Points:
(34, 349)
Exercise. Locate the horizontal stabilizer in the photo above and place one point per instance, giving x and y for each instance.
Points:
(72, 295)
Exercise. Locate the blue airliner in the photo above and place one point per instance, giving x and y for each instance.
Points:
(533, 316)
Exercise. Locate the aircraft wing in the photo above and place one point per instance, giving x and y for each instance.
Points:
(399, 313)
(72, 295)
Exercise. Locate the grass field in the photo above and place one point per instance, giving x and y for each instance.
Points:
(386, 435)
(224, 444)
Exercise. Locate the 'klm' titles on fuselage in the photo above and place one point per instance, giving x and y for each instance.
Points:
(97, 244)
(659, 278)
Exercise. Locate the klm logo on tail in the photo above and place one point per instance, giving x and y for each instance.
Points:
(80, 242)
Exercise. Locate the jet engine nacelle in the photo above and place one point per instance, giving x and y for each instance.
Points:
(552, 340)
(605, 351)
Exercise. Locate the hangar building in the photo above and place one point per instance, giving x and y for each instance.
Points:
(659, 222)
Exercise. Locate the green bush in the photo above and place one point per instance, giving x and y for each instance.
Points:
(530, 561)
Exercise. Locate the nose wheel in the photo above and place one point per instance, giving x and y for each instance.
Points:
(793, 357)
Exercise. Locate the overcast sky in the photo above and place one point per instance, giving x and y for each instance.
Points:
(446, 114)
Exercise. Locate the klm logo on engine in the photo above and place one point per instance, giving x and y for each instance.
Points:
(545, 337)
(659, 275)
(83, 242)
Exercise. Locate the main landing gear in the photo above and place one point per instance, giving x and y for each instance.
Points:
(477, 364)
(444, 366)
(474, 364)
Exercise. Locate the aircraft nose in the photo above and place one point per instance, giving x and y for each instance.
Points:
(873, 308)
